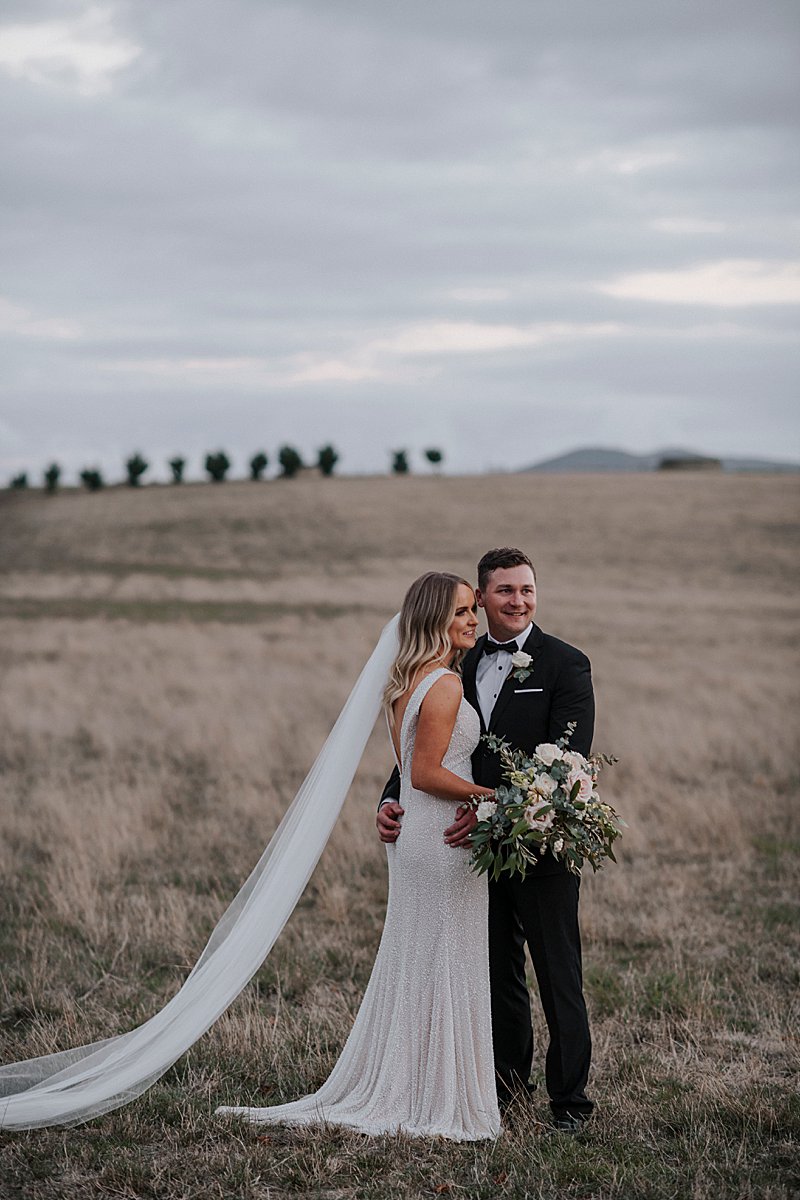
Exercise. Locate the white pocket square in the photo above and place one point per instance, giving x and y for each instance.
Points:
(524, 691)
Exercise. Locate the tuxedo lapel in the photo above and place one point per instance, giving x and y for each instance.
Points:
(533, 646)
(471, 661)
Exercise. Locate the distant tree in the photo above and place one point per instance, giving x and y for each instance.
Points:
(218, 466)
(290, 461)
(327, 459)
(258, 465)
(19, 481)
(400, 462)
(176, 465)
(51, 478)
(434, 457)
(135, 467)
(91, 479)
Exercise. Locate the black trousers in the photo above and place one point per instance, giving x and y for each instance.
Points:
(541, 910)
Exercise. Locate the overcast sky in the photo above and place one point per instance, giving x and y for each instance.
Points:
(508, 229)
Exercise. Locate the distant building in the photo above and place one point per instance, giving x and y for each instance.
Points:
(690, 463)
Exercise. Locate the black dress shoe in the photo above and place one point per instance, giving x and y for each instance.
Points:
(570, 1123)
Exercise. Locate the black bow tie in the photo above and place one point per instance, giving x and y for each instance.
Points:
(493, 647)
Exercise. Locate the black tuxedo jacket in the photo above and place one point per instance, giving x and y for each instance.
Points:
(528, 712)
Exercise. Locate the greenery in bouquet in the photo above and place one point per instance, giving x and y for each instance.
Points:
(548, 802)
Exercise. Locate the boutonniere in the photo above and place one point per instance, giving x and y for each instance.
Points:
(522, 665)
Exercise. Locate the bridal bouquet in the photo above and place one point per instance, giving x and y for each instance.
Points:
(550, 802)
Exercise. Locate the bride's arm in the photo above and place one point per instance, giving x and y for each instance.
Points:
(437, 718)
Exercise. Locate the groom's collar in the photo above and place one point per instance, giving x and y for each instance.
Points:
(520, 638)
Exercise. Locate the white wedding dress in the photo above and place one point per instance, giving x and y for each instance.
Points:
(419, 1056)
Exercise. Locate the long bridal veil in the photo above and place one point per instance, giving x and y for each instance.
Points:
(75, 1085)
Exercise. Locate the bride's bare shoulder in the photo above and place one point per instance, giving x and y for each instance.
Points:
(447, 690)
(447, 686)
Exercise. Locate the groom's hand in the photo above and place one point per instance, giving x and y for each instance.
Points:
(388, 821)
(458, 833)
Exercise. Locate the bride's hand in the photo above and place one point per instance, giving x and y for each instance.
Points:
(458, 833)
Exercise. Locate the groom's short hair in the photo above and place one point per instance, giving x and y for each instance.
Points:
(495, 560)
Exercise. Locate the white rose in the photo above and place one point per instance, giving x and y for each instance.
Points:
(536, 819)
(486, 809)
(549, 753)
(585, 781)
(545, 785)
(575, 760)
(521, 660)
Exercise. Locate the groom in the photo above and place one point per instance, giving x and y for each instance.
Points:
(542, 909)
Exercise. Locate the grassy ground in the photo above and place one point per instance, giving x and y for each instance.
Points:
(172, 658)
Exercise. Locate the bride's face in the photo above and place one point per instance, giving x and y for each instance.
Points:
(464, 626)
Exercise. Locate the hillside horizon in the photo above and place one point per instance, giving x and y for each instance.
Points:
(603, 458)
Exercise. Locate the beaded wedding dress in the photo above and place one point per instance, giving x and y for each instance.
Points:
(419, 1056)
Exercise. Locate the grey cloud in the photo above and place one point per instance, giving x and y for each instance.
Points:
(270, 181)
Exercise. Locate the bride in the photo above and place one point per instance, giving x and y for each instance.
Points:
(419, 1057)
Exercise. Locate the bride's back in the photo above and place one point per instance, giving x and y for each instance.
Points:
(400, 705)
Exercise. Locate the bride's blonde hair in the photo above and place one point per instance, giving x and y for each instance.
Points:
(429, 607)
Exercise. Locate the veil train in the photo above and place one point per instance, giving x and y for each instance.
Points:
(76, 1085)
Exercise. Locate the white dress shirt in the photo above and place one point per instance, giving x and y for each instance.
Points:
(493, 670)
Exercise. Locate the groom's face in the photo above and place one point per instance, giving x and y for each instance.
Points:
(509, 600)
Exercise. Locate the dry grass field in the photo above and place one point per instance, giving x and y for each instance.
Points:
(171, 660)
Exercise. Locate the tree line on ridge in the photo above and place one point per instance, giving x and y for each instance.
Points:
(217, 465)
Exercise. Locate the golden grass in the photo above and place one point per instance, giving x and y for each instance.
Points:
(172, 659)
